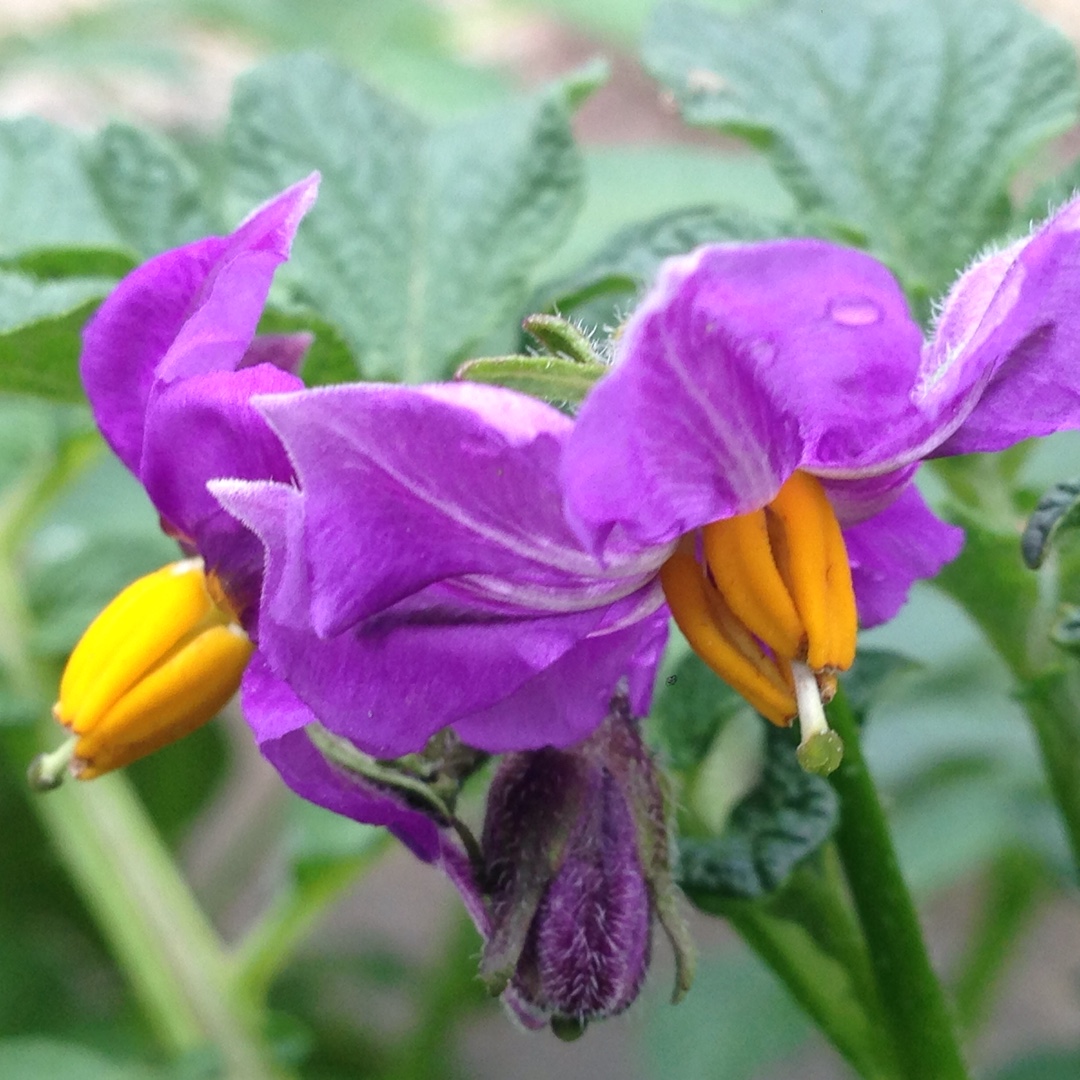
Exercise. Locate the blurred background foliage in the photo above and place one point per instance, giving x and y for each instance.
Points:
(386, 988)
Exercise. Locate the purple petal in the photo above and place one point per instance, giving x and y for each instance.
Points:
(903, 544)
(206, 427)
(858, 499)
(278, 719)
(407, 486)
(744, 363)
(285, 351)
(1003, 359)
(390, 685)
(566, 701)
(188, 311)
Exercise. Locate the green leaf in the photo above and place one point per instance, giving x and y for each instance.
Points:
(40, 327)
(423, 238)
(738, 1020)
(118, 194)
(611, 278)
(1058, 509)
(32, 1057)
(902, 120)
(318, 841)
(690, 708)
(783, 821)
(329, 359)
(149, 192)
(560, 382)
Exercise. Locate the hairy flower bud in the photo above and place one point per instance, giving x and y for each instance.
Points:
(575, 849)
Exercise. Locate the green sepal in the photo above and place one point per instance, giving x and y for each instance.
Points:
(561, 338)
(556, 381)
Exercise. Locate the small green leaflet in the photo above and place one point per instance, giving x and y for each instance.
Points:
(901, 120)
(784, 820)
(423, 239)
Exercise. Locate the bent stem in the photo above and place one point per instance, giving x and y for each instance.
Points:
(914, 1004)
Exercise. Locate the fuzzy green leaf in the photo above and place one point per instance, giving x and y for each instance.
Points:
(783, 821)
(631, 258)
(40, 327)
(122, 194)
(423, 238)
(902, 120)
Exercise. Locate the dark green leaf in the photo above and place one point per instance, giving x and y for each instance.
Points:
(40, 327)
(329, 359)
(422, 239)
(560, 382)
(783, 821)
(629, 261)
(149, 192)
(690, 708)
(1058, 509)
(901, 119)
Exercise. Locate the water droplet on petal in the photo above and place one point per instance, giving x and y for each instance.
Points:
(854, 311)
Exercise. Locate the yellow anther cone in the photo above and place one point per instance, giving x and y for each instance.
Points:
(160, 661)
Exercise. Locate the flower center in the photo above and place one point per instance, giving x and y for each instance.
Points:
(766, 600)
(158, 662)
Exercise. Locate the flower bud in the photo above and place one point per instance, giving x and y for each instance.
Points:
(577, 868)
(160, 661)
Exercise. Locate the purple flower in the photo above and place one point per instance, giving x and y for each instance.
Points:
(421, 575)
(768, 407)
(171, 363)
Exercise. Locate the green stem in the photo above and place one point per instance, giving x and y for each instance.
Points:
(450, 991)
(168, 951)
(159, 936)
(268, 946)
(1016, 884)
(1052, 705)
(807, 935)
(914, 1004)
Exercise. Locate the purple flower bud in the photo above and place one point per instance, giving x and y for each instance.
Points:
(576, 857)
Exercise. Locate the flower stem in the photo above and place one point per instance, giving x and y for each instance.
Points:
(117, 860)
(168, 950)
(914, 1004)
(272, 941)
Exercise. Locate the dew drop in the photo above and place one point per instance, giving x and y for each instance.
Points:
(854, 311)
